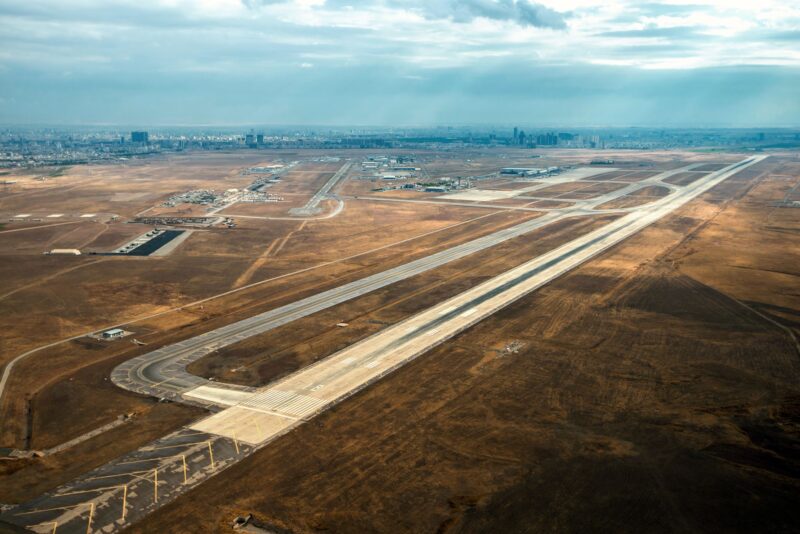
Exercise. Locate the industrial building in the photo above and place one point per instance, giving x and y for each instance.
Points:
(523, 171)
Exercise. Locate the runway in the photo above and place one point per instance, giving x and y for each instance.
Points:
(162, 373)
(311, 207)
(275, 409)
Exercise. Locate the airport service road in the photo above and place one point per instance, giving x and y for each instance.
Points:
(275, 409)
(162, 373)
(128, 488)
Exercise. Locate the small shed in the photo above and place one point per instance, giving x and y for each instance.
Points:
(113, 333)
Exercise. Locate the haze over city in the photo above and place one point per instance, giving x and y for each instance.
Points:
(383, 63)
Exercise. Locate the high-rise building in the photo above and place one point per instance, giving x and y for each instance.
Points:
(516, 134)
(139, 137)
(260, 139)
(548, 139)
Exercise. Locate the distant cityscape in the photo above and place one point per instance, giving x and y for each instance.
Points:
(37, 146)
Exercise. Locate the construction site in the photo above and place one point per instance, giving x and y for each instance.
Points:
(396, 341)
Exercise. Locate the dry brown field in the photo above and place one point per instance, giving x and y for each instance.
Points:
(639, 175)
(645, 391)
(685, 178)
(65, 295)
(654, 388)
(637, 198)
(262, 359)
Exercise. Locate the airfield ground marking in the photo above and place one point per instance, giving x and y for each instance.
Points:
(124, 501)
(31, 512)
(145, 460)
(182, 456)
(210, 453)
(88, 491)
(173, 446)
(161, 383)
(134, 474)
(130, 473)
(91, 514)
(54, 523)
(124, 494)
(236, 443)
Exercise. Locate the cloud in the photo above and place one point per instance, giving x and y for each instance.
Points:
(671, 32)
(522, 12)
(429, 59)
(786, 36)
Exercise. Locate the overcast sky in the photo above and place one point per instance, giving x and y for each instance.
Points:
(414, 62)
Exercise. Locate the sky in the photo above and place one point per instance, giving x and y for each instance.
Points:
(730, 63)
